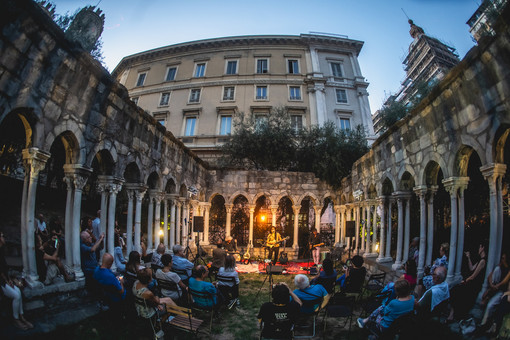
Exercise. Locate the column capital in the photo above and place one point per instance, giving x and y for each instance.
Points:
(297, 208)
(493, 169)
(452, 184)
(171, 197)
(252, 208)
(382, 199)
(34, 160)
(194, 203)
(339, 209)
(78, 175)
(205, 205)
(402, 195)
(421, 190)
(229, 207)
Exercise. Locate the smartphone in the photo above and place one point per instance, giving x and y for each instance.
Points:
(56, 242)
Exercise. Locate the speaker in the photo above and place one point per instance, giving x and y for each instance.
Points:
(274, 269)
(198, 224)
(350, 228)
(314, 271)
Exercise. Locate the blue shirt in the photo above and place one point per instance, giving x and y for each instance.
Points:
(396, 308)
(88, 259)
(181, 263)
(311, 293)
(110, 284)
(119, 259)
(203, 286)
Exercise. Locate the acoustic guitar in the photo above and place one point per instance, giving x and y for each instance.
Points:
(276, 243)
(316, 245)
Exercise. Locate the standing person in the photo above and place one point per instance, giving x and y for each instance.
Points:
(96, 230)
(120, 260)
(12, 291)
(88, 255)
(315, 246)
(273, 244)
(218, 260)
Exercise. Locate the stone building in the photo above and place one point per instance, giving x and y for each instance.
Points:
(195, 88)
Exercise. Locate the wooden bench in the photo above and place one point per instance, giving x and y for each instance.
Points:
(181, 318)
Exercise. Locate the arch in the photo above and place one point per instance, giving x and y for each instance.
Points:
(314, 198)
(407, 182)
(343, 199)
(329, 195)
(69, 130)
(73, 152)
(103, 163)
(260, 194)
(105, 145)
(461, 161)
(29, 121)
(132, 173)
(170, 187)
(403, 169)
(471, 142)
(430, 174)
(371, 191)
(15, 135)
(183, 190)
(432, 157)
(499, 142)
(154, 181)
(285, 194)
(387, 187)
(211, 198)
(233, 197)
(134, 157)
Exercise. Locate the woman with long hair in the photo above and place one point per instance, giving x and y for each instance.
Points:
(229, 290)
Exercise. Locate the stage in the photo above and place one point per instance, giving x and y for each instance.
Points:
(291, 267)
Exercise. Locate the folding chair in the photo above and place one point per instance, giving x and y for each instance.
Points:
(308, 310)
(277, 327)
(226, 289)
(181, 318)
(372, 302)
(340, 308)
(375, 282)
(207, 299)
(154, 320)
(182, 273)
(170, 286)
(404, 326)
(327, 283)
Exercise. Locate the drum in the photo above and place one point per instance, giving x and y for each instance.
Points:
(324, 254)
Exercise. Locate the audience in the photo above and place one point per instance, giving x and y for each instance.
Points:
(112, 287)
(279, 316)
(141, 290)
(229, 290)
(384, 316)
(51, 262)
(438, 293)
(463, 296)
(502, 309)
(327, 276)
(414, 249)
(11, 291)
(354, 278)
(120, 261)
(88, 255)
(441, 261)
(166, 274)
(156, 257)
(197, 283)
(181, 263)
(307, 292)
(411, 273)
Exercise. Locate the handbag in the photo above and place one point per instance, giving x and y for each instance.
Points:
(467, 326)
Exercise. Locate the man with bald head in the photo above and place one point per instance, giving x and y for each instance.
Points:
(438, 293)
(88, 255)
(112, 286)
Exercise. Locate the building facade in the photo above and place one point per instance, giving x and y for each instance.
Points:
(194, 89)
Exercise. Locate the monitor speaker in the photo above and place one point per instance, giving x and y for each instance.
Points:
(350, 228)
(198, 224)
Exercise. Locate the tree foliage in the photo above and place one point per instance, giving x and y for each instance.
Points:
(273, 144)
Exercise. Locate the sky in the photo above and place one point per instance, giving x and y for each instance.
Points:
(134, 26)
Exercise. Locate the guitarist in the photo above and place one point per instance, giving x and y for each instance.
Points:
(315, 246)
(273, 244)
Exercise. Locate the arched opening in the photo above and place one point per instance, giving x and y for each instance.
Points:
(262, 219)
(217, 220)
(240, 220)
(305, 224)
(327, 222)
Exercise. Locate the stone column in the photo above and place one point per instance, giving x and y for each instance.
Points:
(462, 183)
(129, 219)
(228, 221)
(382, 243)
(493, 174)
(339, 237)
(172, 219)
(400, 230)
(407, 230)
(250, 231)
(274, 210)
(388, 234)
(165, 221)
(150, 220)
(430, 227)
(140, 192)
(178, 221)
(207, 208)
(296, 209)
(421, 191)
(68, 227)
(374, 230)
(358, 221)
(34, 160)
(158, 197)
(452, 188)
(103, 186)
(317, 210)
(366, 228)
(114, 190)
(185, 220)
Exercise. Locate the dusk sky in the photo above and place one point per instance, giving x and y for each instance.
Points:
(134, 26)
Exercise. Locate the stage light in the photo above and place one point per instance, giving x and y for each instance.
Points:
(161, 232)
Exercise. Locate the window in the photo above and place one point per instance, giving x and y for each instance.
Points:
(260, 120)
(295, 93)
(261, 92)
(200, 70)
(194, 96)
(135, 100)
(262, 66)
(225, 125)
(141, 79)
(165, 97)
(228, 93)
(296, 122)
(160, 118)
(170, 74)
(293, 66)
(190, 126)
(341, 96)
(336, 70)
(345, 123)
(231, 67)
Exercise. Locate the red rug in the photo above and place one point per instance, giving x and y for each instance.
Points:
(292, 268)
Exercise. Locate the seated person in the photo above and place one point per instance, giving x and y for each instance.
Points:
(49, 251)
(197, 283)
(438, 293)
(384, 316)
(141, 290)
(168, 275)
(327, 276)
(112, 286)
(181, 263)
(229, 290)
(502, 309)
(354, 278)
(230, 244)
(120, 260)
(305, 292)
(279, 315)
(441, 261)
(156, 256)
(219, 255)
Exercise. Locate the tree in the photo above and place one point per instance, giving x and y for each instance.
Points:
(393, 112)
(272, 144)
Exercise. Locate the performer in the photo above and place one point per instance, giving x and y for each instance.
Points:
(273, 244)
(230, 245)
(315, 246)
